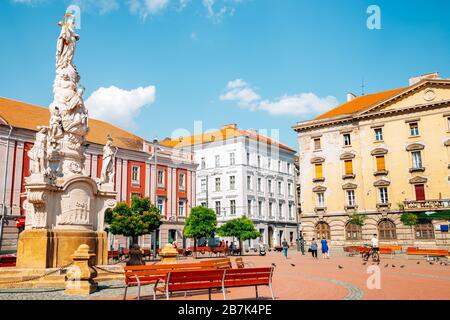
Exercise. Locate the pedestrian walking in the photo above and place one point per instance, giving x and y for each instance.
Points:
(302, 245)
(325, 249)
(313, 248)
(285, 248)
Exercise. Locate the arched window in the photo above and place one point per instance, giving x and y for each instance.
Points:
(424, 230)
(387, 230)
(353, 231)
(323, 230)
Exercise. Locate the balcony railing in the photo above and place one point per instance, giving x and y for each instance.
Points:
(413, 205)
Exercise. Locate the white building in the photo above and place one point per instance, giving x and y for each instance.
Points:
(243, 173)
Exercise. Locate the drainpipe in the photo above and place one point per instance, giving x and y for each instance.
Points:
(4, 211)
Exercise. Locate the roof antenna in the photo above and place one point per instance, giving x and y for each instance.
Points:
(363, 86)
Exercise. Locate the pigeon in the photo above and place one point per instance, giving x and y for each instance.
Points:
(378, 263)
(386, 265)
(273, 264)
(292, 264)
(393, 266)
(402, 267)
(431, 263)
(364, 263)
(418, 262)
(340, 267)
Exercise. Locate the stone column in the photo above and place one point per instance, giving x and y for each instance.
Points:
(79, 278)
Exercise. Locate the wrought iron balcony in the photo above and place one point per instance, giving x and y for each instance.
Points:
(414, 205)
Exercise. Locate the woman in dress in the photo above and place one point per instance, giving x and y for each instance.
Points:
(325, 249)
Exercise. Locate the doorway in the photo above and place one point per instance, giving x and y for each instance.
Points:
(270, 240)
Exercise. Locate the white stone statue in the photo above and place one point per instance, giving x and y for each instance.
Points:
(38, 154)
(109, 157)
(56, 130)
(66, 42)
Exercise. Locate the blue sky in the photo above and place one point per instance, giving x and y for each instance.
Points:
(263, 64)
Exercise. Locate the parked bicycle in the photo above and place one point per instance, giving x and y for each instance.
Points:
(371, 252)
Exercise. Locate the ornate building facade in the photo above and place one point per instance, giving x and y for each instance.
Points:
(171, 186)
(380, 156)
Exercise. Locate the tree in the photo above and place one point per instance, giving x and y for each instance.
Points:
(201, 222)
(241, 228)
(409, 219)
(357, 219)
(133, 221)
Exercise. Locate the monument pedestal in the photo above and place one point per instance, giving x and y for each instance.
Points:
(42, 248)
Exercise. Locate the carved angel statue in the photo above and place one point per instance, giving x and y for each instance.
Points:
(67, 39)
(38, 154)
(109, 157)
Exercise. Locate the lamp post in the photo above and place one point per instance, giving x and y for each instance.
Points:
(155, 199)
(4, 210)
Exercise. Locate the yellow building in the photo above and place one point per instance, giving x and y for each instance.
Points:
(379, 156)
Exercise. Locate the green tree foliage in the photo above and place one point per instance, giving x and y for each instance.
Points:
(241, 228)
(201, 222)
(133, 221)
(409, 219)
(357, 219)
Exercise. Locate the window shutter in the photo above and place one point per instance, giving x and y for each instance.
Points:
(319, 172)
(420, 192)
(380, 163)
(348, 167)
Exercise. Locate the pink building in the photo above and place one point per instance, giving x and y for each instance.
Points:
(171, 186)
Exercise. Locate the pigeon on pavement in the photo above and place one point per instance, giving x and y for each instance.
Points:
(340, 267)
(292, 264)
(393, 266)
(402, 266)
(386, 265)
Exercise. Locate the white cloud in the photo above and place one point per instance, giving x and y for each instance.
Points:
(238, 90)
(144, 8)
(299, 104)
(217, 15)
(194, 36)
(118, 106)
(28, 2)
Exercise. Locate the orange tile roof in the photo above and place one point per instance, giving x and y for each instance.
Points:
(359, 104)
(28, 116)
(223, 134)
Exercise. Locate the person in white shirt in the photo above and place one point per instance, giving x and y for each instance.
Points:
(374, 241)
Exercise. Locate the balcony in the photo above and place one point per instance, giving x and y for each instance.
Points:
(414, 205)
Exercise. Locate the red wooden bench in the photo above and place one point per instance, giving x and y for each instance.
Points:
(151, 274)
(183, 281)
(427, 252)
(8, 261)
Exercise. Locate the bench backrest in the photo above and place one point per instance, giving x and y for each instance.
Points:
(189, 280)
(394, 248)
(248, 276)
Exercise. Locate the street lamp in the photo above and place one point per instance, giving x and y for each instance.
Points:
(155, 198)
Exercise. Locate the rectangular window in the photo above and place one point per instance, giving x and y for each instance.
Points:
(161, 181)
(280, 210)
(280, 188)
(381, 165)
(259, 185)
(135, 174)
(232, 159)
(249, 183)
(317, 144)
(217, 161)
(203, 185)
(259, 161)
(414, 129)
(203, 163)
(270, 209)
(182, 181)
(203, 204)
(416, 159)
(319, 171)
(269, 186)
(260, 213)
(249, 208)
(384, 199)
(290, 211)
(217, 184)
(232, 182)
(351, 197)
(233, 207)
(288, 168)
(420, 192)
(320, 200)
(448, 124)
(347, 139)
(279, 166)
(182, 208)
(161, 205)
(378, 134)
(218, 208)
(348, 167)
(248, 158)
(290, 189)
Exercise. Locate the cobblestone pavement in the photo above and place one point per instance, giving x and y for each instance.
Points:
(302, 278)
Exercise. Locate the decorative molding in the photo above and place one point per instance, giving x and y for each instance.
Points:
(348, 176)
(377, 126)
(412, 170)
(381, 183)
(347, 156)
(447, 143)
(349, 186)
(319, 180)
(429, 95)
(319, 189)
(381, 173)
(379, 152)
(418, 180)
(412, 120)
(317, 160)
(415, 147)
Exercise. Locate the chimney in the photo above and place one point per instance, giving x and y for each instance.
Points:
(414, 80)
(350, 96)
(230, 126)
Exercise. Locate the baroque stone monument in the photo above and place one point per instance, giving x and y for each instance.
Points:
(64, 207)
